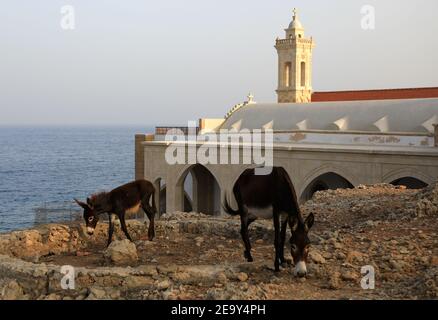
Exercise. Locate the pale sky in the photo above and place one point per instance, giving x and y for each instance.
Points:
(167, 62)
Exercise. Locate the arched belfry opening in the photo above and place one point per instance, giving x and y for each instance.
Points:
(303, 73)
(201, 190)
(287, 70)
(410, 183)
(326, 181)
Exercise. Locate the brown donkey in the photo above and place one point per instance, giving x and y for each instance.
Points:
(272, 197)
(118, 202)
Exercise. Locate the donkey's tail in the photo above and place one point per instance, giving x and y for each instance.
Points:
(154, 207)
(228, 208)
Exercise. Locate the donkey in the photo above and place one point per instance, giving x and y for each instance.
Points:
(118, 202)
(272, 196)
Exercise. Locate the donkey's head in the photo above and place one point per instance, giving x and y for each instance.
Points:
(300, 243)
(90, 216)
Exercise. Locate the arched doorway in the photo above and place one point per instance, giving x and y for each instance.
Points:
(161, 202)
(326, 181)
(410, 183)
(201, 190)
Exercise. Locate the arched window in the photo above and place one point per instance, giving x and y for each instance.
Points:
(303, 74)
(287, 69)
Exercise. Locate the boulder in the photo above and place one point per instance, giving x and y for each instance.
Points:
(316, 257)
(334, 281)
(13, 291)
(121, 252)
(242, 276)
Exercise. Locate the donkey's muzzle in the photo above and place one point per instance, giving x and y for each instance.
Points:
(300, 269)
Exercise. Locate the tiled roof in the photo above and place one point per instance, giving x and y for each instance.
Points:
(384, 94)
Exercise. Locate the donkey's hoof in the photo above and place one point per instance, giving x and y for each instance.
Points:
(248, 256)
(286, 263)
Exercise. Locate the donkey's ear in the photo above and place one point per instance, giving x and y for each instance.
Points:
(82, 204)
(309, 221)
(89, 201)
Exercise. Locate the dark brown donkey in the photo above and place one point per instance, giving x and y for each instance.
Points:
(118, 202)
(272, 196)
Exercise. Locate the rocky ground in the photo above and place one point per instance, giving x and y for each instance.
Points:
(198, 257)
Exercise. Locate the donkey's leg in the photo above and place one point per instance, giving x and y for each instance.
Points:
(283, 239)
(244, 224)
(111, 218)
(123, 225)
(145, 204)
(150, 212)
(277, 240)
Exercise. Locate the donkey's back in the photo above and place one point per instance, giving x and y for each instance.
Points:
(132, 194)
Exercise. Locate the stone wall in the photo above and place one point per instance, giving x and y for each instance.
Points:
(22, 276)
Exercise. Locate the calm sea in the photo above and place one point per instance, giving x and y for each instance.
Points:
(43, 168)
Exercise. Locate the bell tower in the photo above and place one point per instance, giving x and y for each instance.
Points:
(294, 64)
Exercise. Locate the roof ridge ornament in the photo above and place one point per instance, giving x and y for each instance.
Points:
(268, 126)
(302, 125)
(237, 125)
(342, 123)
(250, 99)
(240, 105)
(428, 124)
(382, 124)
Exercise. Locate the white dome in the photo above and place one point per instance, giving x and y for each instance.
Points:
(295, 24)
(410, 116)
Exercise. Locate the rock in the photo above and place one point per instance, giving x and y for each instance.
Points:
(13, 291)
(327, 255)
(163, 285)
(222, 278)
(82, 253)
(369, 223)
(316, 257)
(121, 252)
(340, 255)
(53, 296)
(395, 265)
(97, 293)
(338, 245)
(100, 293)
(334, 282)
(242, 276)
(354, 257)
(349, 276)
(434, 261)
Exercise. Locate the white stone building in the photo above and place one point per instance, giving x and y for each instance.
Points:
(324, 140)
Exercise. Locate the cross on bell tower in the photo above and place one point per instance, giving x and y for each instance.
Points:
(294, 64)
